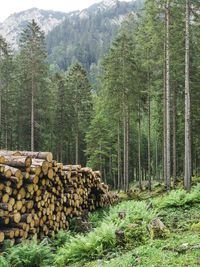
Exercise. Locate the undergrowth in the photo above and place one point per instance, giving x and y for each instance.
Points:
(178, 210)
(103, 238)
(178, 198)
(28, 255)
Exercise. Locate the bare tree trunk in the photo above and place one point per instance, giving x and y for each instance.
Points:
(174, 137)
(127, 151)
(77, 137)
(119, 155)
(164, 119)
(77, 132)
(100, 158)
(105, 178)
(139, 149)
(187, 165)
(61, 146)
(32, 103)
(156, 159)
(149, 132)
(168, 97)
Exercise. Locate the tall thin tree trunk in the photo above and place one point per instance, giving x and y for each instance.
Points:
(149, 132)
(77, 137)
(139, 149)
(168, 97)
(156, 159)
(61, 146)
(164, 111)
(187, 165)
(105, 177)
(32, 103)
(174, 136)
(77, 130)
(127, 151)
(100, 158)
(119, 154)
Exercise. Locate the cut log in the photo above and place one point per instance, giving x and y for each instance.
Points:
(6, 206)
(14, 217)
(10, 171)
(2, 236)
(17, 161)
(38, 155)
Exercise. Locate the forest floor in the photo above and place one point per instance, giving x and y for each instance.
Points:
(177, 245)
(120, 237)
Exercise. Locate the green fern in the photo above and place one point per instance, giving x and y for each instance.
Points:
(178, 198)
(29, 255)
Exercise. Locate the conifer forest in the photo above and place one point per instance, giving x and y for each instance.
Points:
(120, 183)
(139, 120)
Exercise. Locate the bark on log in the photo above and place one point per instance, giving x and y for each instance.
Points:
(17, 161)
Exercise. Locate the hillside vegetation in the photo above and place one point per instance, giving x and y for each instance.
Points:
(176, 245)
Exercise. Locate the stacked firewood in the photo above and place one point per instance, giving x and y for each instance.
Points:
(38, 196)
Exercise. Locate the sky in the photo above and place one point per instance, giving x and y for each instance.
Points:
(9, 7)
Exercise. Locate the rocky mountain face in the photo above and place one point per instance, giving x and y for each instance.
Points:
(12, 27)
(82, 36)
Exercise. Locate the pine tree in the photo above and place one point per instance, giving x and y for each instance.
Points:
(81, 105)
(34, 74)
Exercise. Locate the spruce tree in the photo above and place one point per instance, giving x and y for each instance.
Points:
(34, 81)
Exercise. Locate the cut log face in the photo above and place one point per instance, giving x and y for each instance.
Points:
(39, 196)
(2, 236)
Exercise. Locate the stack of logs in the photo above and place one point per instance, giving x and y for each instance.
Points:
(38, 196)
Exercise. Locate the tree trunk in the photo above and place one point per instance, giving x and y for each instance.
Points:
(127, 151)
(139, 152)
(100, 158)
(119, 155)
(149, 133)
(125, 136)
(187, 165)
(168, 97)
(174, 136)
(156, 158)
(77, 137)
(164, 113)
(32, 103)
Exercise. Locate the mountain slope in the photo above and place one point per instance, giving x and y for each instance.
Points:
(82, 36)
(12, 27)
(85, 36)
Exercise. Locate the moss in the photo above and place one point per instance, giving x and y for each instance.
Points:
(135, 235)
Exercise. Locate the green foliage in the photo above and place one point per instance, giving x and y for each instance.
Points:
(177, 249)
(135, 235)
(97, 242)
(58, 240)
(4, 262)
(86, 39)
(89, 246)
(26, 255)
(178, 198)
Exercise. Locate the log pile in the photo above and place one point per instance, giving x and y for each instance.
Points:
(38, 196)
